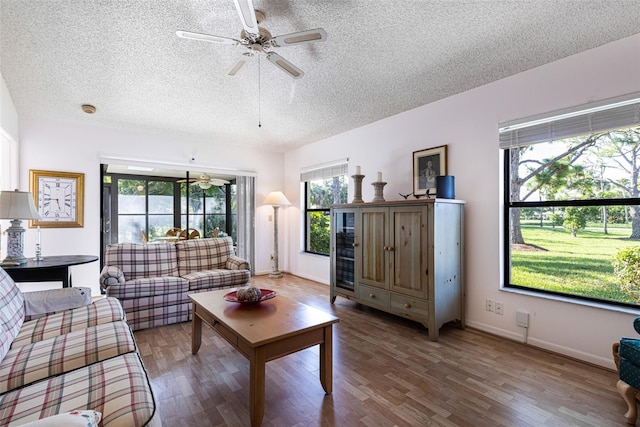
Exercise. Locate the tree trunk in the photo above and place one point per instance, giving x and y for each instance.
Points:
(515, 185)
(604, 220)
(634, 212)
(515, 228)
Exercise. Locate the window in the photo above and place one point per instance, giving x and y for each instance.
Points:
(322, 188)
(138, 208)
(144, 208)
(211, 208)
(572, 200)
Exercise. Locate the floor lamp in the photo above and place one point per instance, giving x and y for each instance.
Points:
(276, 199)
(16, 206)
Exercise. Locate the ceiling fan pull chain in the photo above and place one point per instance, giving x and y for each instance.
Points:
(259, 98)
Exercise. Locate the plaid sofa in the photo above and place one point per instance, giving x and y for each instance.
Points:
(152, 280)
(72, 362)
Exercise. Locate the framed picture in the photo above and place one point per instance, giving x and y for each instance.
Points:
(427, 164)
(59, 198)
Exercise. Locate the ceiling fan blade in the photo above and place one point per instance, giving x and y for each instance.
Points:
(285, 65)
(206, 38)
(301, 37)
(237, 66)
(218, 182)
(247, 16)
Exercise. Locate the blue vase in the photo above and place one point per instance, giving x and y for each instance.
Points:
(445, 187)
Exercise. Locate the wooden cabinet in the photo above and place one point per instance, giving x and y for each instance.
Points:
(404, 257)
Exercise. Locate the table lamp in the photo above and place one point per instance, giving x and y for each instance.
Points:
(276, 199)
(16, 206)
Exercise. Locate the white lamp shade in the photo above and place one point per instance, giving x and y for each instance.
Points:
(276, 198)
(17, 205)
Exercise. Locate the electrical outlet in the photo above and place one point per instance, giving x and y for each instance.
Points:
(489, 306)
(499, 308)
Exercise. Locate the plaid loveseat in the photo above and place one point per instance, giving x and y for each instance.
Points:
(77, 362)
(152, 280)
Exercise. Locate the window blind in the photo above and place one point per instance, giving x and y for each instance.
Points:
(326, 170)
(595, 117)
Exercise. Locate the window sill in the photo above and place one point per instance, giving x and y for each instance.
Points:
(314, 254)
(570, 300)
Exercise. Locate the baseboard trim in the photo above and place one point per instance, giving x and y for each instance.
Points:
(581, 356)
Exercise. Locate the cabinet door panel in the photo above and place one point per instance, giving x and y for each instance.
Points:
(409, 234)
(374, 268)
(342, 243)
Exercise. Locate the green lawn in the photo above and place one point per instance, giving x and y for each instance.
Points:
(578, 266)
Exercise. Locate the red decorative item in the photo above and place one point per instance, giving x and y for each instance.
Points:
(265, 294)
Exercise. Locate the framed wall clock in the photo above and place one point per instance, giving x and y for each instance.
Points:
(59, 198)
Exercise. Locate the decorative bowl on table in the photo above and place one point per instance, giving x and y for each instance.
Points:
(249, 295)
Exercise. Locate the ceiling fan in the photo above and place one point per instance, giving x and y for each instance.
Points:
(206, 181)
(258, 40)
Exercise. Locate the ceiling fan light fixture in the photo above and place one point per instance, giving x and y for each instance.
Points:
(204, 185)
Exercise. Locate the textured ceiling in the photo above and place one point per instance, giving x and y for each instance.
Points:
(381, 58)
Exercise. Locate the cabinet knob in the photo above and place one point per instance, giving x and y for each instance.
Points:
(354, 244)
(407, 305)
(372, 295)
(390, 248)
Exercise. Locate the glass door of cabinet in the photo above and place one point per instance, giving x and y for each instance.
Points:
(343, 224)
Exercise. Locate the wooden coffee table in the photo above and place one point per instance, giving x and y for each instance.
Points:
(262, 332)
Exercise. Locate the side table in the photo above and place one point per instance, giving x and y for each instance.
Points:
(50, 269)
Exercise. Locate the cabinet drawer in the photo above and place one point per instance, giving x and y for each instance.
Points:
(412, 307)
(373, 296)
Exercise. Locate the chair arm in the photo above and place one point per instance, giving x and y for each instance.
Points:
(111, 275)
(54, 300)
(237, 263)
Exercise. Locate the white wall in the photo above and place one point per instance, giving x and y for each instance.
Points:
(58, 146)
(468, 124)
(8, 114)
(8, 141)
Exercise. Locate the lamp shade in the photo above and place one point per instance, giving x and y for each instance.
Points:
(276, 198)
(17, 205)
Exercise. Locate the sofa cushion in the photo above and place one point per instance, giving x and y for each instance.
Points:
(203, 254)
(37, 361)
(212, 279)
(148, 312)
(138, 260)
(117, 387)
(104, 310)
(147, 287)
(11, 311)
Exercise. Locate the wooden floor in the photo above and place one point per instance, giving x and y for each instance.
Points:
(386, 373)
